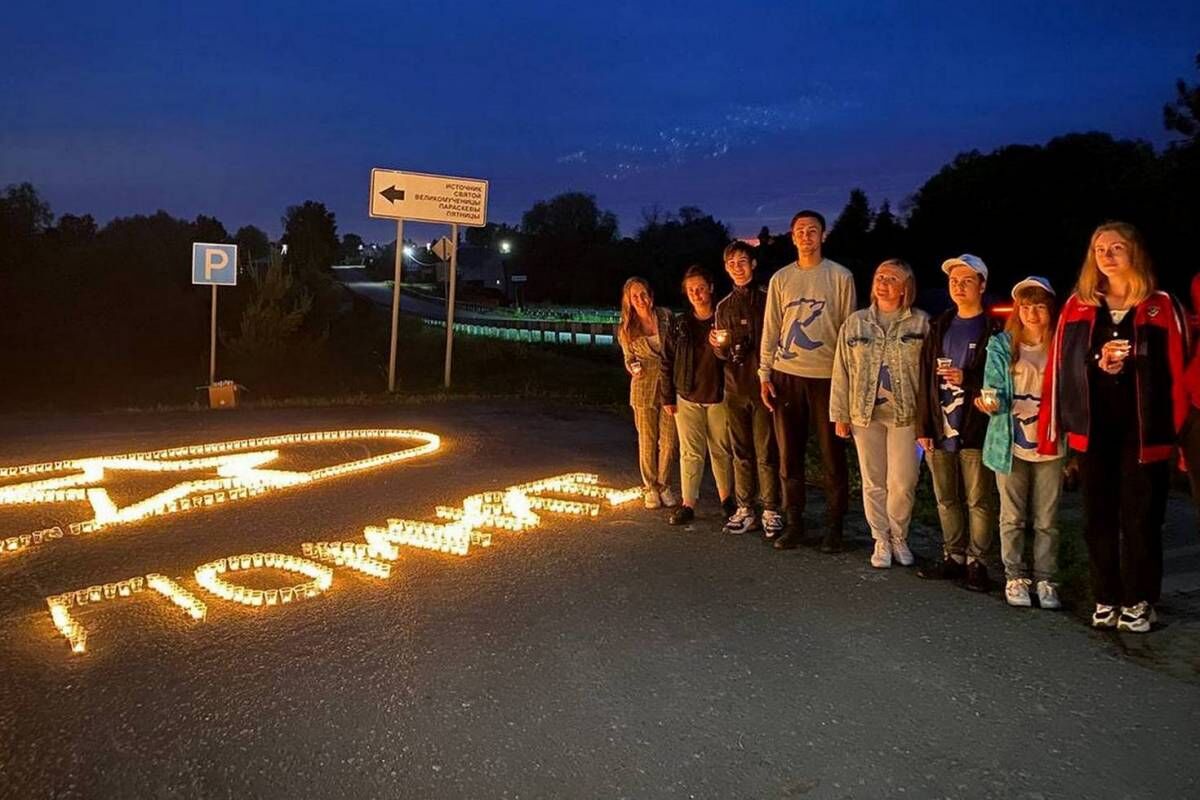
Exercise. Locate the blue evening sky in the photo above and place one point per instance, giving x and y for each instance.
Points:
(748, 110)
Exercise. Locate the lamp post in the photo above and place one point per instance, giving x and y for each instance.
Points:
(505, 249)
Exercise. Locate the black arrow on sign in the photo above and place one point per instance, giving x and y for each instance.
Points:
(392, 194)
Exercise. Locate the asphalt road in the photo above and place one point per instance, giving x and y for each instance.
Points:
(614, 657)
(380, 293)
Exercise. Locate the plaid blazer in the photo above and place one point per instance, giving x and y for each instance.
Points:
(643, 386)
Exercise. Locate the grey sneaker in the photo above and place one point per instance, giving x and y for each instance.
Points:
(772, 523)
(1016, 592)
(742, 521)
(900, 552)
(668, 497)
(1047, 593)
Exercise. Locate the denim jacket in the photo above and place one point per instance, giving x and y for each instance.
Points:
(863, 347)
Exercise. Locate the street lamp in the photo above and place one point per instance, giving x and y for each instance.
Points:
(505, 249)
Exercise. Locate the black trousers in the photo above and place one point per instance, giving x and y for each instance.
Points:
(1124, 504)
(755, 457)
(802, 404)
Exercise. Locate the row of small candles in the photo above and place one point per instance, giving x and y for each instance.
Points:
(508, 510)
(239, 476)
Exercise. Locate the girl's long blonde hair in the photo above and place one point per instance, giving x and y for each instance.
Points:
(628, 315)
(1092, 285)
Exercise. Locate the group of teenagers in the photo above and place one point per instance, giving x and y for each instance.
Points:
(1106, 374)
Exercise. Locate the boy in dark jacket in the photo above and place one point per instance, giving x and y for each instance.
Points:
(951, 430)
(736, 341)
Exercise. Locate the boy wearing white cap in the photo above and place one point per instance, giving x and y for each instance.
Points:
(1030, 483)
(951, 429)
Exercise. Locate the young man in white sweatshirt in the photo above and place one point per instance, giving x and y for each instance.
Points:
(807, 302)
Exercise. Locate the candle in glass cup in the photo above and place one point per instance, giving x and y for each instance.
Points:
(722, 336)
(990, 395)
(945, 363)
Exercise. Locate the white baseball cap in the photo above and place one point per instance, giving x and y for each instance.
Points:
(966, 260)
(1033, 280)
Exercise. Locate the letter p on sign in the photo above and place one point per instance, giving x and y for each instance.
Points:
(214, 264)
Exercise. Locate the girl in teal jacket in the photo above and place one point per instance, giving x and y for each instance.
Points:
(1030, 483)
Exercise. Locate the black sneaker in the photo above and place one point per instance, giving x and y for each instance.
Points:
(945, 570)
(729, 507)
(977, 577)
(791, 538)
(832, 541)
(681, 516)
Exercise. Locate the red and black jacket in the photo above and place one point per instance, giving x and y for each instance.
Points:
(1159, 344)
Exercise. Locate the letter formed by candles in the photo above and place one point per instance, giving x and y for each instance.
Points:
(471, 523)
(237, 467)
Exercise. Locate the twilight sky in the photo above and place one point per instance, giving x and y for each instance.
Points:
(748, 110)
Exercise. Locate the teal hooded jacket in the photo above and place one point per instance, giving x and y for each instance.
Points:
(997, 374)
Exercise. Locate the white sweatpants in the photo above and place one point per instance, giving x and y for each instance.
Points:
(887, 458)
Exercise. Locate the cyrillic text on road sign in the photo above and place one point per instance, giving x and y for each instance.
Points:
(428, 198)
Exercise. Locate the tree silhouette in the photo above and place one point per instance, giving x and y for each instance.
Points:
(1183, 115)
(849, 238)
(567, 249)
(252, 243)
(310, 233)
(667, 245)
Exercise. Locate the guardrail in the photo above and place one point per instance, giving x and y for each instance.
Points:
(536, 330)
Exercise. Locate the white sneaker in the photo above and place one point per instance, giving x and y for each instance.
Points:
(882, 557)
(650, 496)
(742, 521)
(772, 523)
(1137, 619)
(1016, 592)
(1047, 593)
(669, 498)
(1104, 616)
(901, 553)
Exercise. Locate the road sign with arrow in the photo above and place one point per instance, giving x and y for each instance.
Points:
(428, 198)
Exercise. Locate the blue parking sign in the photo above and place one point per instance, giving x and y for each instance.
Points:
(214, 264)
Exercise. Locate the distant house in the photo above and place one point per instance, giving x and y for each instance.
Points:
(477, 266)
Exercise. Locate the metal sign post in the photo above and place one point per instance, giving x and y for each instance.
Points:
(396, 304)
(421, 197)
(450, 300)
(216, 265)
(212, 346)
